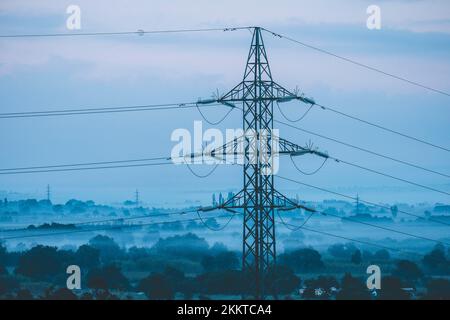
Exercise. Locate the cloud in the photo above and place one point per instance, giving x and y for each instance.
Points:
(417, 16)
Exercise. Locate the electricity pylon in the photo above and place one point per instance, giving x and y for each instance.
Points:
(257, 92)
(48, 192)
(136, 198)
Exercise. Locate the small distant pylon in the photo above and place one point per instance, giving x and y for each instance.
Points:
(48, 192)
(357, 204)
(136, 198)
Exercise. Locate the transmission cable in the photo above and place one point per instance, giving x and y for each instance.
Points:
(294, 120)
(198, 175)
(210, 122)
(139, 32)
(414, 83)
(101, 229)
(83, 111)
(384, 128)
(390, 176)
(205, 223)
(291, 227)
(308, 173)
(361, 200)
(88, 168)
(368, 243)
(83, 164)
(364, 149)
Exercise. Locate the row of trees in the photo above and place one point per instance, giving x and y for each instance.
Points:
(102, 261)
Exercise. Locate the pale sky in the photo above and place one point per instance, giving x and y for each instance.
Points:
(60, 73)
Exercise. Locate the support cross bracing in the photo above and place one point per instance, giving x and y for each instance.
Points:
(258, 198)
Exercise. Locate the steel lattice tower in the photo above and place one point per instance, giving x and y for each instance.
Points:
(259, 228)
(258, 198)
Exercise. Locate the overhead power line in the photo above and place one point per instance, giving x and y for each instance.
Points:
(361, 200)
(82, 111)
(363, 149)
(85, 168)
(363, 223)
(411, 82)
(82, 164)
(108, 165)
(106, 228)
(199, 218)
(385, 228)
(384, 128)
(390, 176)
(82, 223)
(364, 242)
(139, 32)
(295, 228)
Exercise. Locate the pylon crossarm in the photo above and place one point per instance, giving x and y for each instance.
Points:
(235, 202)
(292, 149)
(284, 95)
(235, 147)
(235, 94)
(272, 92)
(284, 203)
(219, 207)
(281, 94)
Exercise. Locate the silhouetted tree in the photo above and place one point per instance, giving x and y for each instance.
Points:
(8, 284)
(367, 255)
(353, 289)
(407, 270)
(3, 255)
(438, 289)
(157, 286)
(87, 257)
(394, 211)
(108, 248)
(189, 246)
(176, 279)
(41, 262)
(382, 255)
(302, 260)
(223, 282)
(343, 251)
(3, 270)
(108, 277)
(282, 280)
(356, 257)
(436, 261)
(391, 289)
(221, 261)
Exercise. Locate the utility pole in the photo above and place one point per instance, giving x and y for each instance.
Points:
(357, 204)
(258, 198)
(136, 198)
(48, 192)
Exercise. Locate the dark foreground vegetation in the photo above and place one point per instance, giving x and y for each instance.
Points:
(186, 267)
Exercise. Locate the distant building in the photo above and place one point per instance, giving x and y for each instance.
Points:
(442, 209)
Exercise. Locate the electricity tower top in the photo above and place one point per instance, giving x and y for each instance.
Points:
(257, 92)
